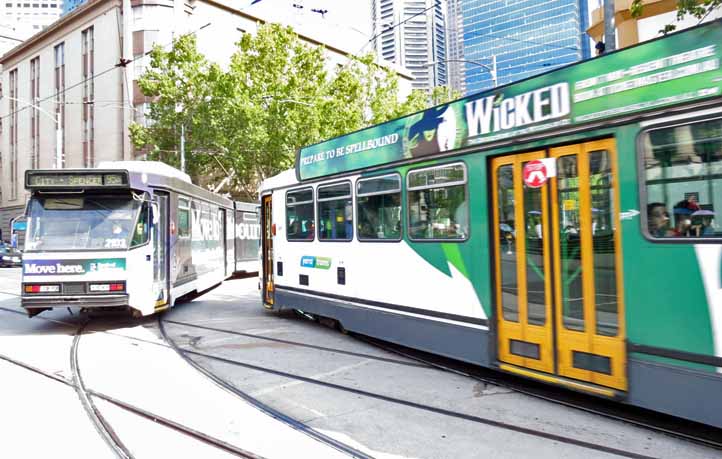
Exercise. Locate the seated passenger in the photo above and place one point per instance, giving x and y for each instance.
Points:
(658, 220)
(683, 218)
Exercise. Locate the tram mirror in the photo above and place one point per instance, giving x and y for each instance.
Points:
(154, 213)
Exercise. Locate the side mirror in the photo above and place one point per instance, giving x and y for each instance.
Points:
(154, 213)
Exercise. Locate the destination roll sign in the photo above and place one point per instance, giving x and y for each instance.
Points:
(646, 77)
(65, 179)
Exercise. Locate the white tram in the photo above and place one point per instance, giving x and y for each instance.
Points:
(129, 234)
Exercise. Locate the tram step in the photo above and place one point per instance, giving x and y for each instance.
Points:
(562, 381)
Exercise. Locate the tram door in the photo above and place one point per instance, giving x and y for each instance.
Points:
(267, 250)
(558, 266)
(160, 250)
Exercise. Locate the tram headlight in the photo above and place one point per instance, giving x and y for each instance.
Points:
(33, 288)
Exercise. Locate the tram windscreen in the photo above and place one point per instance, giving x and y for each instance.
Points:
(80, 223)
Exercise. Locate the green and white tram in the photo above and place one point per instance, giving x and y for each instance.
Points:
(135, 235)
(563, 228)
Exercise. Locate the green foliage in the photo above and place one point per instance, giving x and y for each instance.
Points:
(275, 97)
(699, 9)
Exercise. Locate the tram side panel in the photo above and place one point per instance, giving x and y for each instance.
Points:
(198, 246)
(397, 290)
(247, 238)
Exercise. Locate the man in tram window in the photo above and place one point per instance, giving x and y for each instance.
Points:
(658, 220)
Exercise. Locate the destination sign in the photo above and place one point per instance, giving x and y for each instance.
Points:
(74, 180)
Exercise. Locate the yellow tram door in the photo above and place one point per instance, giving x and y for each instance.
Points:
(558, 268)
(587, 265)
(267, 250)
(523, 289)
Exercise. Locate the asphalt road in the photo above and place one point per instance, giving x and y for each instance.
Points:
(376, 402)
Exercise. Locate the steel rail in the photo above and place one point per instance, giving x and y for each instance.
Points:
(412, 404)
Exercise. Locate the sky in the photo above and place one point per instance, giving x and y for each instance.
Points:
(345, 23)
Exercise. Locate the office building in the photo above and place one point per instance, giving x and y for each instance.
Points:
(69, 93)
(19, 20)
(412, 34)
(629, 30)
(70, 5)
(525, 37)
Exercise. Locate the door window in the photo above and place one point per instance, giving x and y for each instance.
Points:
(570, 245)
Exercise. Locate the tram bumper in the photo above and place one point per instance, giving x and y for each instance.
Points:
(36, 305)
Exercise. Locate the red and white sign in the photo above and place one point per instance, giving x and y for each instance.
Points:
(535, 174)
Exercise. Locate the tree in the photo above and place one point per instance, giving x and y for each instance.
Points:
(179, 83)
(699, 9)
(245, 123)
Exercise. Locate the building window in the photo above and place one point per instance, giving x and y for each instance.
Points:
(60, 100)
(88, 121)
(13, 134)
(35, 113)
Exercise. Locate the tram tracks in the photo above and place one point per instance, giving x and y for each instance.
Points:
(390, 399)
(263, 407)
(101, 424)
(707, 436)
(105, 430)
(414, 360)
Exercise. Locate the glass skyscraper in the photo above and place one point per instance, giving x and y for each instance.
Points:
(526, 37)
(412, 34)
(70, 5)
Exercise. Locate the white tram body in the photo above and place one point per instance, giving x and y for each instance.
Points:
(356, 280)
(129, 234)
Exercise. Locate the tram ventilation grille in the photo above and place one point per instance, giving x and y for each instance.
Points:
(341, 276)
(279, 268)
(303, 279)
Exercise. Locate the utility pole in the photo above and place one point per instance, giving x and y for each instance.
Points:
(609, 35)
(183, 147)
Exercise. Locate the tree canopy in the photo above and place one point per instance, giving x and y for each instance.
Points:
(699, 9)
(245, 123)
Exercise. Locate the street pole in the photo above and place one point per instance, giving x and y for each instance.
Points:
(59, 147)
(183, 148)
(609, 35)
(494, 80)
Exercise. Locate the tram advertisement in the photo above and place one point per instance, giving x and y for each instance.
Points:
(72, 267)
(679, 68)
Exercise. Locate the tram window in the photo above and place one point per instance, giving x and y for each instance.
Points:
(683, 178)
(335, 212)
(438, 207)
(184, 218)
(378, 207)
(299, 215)
(140, 236)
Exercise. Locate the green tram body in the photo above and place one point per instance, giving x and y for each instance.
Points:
(661, 349)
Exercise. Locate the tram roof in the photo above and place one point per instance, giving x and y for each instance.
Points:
(683, 67)
(141, 176)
